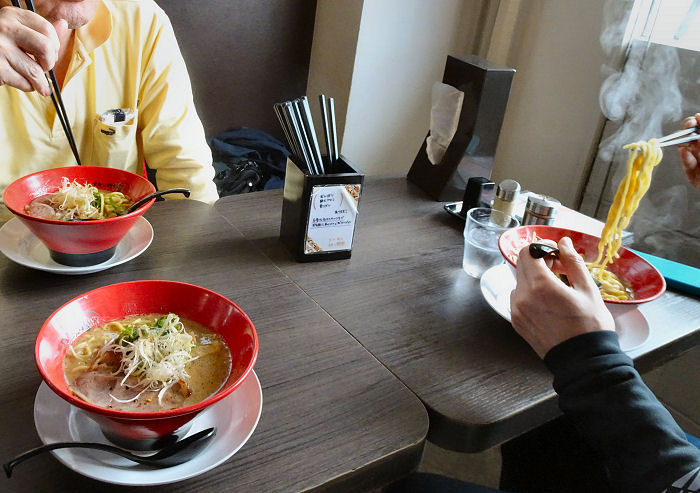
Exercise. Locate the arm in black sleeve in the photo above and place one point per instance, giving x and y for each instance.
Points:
(617, 414)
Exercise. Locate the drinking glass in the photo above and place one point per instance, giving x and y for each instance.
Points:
(481, 231)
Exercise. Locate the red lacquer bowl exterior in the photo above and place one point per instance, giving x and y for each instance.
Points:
(78, 237)
(117, 301)
(646, 282)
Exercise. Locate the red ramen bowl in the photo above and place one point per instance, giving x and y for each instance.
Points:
(646, 282)
(78, 243)
(145, 430)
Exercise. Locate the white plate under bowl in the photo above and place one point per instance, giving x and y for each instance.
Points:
(20, 245)
(630, 324)
(235, 418)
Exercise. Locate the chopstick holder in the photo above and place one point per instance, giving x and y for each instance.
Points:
(319, 211)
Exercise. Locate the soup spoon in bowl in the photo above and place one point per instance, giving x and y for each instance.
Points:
(172, 455)
(143, 200)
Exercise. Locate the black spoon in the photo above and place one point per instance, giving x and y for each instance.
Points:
(177, 453)
(148, 197)
(540, 250)
(143, 200)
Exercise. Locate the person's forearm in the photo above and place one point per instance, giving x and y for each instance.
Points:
(615, 412)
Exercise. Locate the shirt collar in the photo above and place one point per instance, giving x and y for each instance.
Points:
(97, 31)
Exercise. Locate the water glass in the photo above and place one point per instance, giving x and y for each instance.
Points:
(481, 231)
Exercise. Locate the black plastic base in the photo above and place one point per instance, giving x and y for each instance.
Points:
(83, 259)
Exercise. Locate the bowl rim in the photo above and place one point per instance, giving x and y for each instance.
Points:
(549, 227)
(135, 213)
(145, 415)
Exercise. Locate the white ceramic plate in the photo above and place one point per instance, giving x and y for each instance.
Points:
(21, 246)
(235, 418)
(630, 324)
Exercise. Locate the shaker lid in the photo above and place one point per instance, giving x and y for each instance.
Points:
(508, 190)
(542, 205)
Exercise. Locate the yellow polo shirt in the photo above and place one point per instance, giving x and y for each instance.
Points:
(126, 58)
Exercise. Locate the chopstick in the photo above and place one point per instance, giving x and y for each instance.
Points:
(298, 127)
(305, 137)
(326, 127)
(309, 124)
(680, 137)
(295, 131)
(334, 136)
(56, 98)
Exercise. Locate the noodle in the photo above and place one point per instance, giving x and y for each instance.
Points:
(74, 201)
(146, 362)
(641, 160)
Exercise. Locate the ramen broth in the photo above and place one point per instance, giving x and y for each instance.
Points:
(98, 376)
(76, 201)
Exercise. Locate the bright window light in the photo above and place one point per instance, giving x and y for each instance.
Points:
(669, 22)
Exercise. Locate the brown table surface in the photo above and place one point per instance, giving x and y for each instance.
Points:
(333, 417)
(405, 298)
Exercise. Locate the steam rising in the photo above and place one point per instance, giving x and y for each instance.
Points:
(644, 92)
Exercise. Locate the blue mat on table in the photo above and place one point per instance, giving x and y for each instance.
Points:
(678, 276)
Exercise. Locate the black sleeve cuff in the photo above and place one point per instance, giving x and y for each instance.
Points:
(581, 348)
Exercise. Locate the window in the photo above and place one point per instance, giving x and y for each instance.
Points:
(668, 22)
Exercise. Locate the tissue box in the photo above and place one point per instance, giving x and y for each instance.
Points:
(319, 212)
(486, 88)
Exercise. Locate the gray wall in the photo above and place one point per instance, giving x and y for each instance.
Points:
(243, 56)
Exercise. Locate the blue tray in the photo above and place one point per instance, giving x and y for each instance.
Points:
(678, 276)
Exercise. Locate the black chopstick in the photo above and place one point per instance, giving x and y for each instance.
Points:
(56, 98)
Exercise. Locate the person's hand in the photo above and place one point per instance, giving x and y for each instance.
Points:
(28, 48)
(545, 311)
(690, 153)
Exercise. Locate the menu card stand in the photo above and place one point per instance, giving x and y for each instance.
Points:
(319, 212)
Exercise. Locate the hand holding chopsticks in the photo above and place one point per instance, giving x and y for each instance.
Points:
(300, 132)
(56, 98)
(690, 154)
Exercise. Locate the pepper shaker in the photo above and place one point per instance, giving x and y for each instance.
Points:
(540, 209)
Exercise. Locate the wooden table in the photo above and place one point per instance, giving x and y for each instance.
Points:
(333, 417)
(405, 298)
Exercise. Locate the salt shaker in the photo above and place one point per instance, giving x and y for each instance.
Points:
(506, 193)
(540, 209)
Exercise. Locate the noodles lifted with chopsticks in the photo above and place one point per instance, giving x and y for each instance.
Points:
(641, 160)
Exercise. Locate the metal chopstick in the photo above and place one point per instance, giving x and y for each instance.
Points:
(311, 130)
(56, 98)
(680, 140)
(334, 136)
(299, 131)
(306, 138)
(680, 133)
(297, 124)
(326, 127)
(285, 128)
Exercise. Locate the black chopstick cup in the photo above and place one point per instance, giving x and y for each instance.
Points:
(320, 211)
